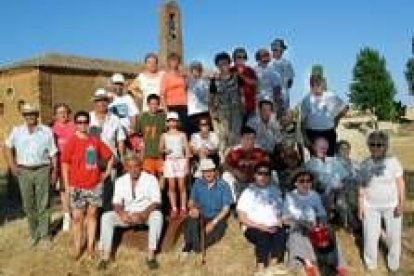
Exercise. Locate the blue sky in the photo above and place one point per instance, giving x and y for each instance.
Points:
(326, 32)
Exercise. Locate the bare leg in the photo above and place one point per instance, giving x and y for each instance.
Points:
(91, 214)
(161, 181)
(172, 194)
(78, 217)
(64, 200)
(183, 193)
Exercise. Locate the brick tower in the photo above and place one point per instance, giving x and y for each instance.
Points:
(171, 39)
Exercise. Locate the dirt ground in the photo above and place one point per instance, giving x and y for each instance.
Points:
(232, 256)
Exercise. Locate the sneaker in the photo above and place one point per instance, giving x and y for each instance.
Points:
(66, 222)
(341, 271)
(152, 264)
(278, 270)
(310, 270)
(186, 248)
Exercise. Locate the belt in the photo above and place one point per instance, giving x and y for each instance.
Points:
(33, 168)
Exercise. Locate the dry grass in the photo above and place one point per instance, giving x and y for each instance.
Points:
(232, 256)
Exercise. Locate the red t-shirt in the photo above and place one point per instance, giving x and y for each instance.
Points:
(245, 161)
(83, 156)
(248, 90)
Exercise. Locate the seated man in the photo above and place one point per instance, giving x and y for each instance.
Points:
(210, 198)
(136, 201)
(266, 126)
(241, 160)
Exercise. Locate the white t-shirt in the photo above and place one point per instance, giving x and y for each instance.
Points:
(197, 96)
(319, 112)
(124, 107)
(303, 207)
(330, 173)
(110, 131)
(268, 80)
(199, 142)
(379, 180)
(148, 84)
(261, 205)
(146, 192)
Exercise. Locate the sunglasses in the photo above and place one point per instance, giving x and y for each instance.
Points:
(82, 122)
(376, 145)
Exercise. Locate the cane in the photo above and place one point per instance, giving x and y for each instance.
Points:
(203, 239)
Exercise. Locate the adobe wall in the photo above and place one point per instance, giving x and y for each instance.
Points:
(24, 83)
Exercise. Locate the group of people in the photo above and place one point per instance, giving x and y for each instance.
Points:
(216, 144)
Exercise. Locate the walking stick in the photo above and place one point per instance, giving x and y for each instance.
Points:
(203, 239)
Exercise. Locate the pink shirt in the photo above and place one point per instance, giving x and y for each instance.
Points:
(63, 132)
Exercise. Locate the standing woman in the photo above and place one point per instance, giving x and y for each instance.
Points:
(320, 114)
(381, 197)
(82, 160)
(63, 129)
(148, 82)
(175, 146)
(173, 90)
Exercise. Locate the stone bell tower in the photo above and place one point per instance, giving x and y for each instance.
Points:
(171, 40)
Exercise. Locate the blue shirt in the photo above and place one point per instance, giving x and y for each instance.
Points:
(211, 200)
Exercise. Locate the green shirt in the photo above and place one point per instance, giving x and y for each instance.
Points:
(151, 126)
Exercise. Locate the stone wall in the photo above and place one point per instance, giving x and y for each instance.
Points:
(16, 87)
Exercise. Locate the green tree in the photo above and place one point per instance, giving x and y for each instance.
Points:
(372, 87)
(409, 75)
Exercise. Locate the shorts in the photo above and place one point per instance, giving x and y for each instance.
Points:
(175, 167)
(153, 165)
(80, 198)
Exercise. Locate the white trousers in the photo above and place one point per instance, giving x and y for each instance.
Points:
(111, 219)
(372, 231)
